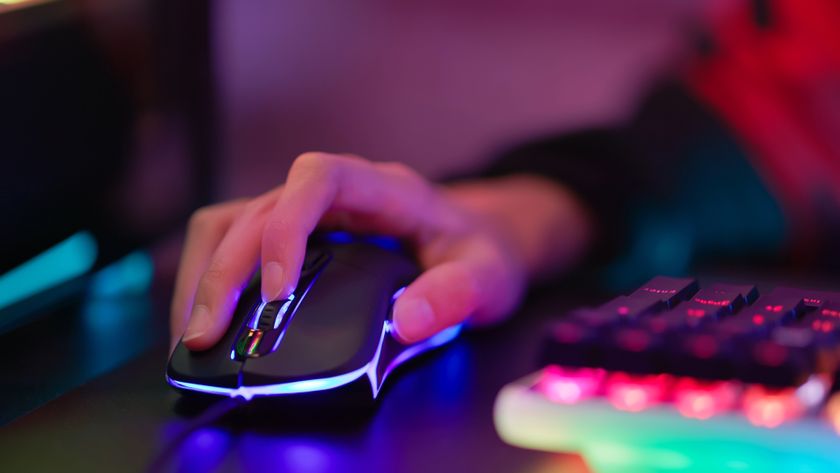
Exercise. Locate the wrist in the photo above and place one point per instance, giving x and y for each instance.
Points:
(545, 226)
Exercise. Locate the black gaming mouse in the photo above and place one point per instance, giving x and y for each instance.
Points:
(333, 332)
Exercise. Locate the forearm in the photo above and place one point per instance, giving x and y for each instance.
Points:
(548, 228)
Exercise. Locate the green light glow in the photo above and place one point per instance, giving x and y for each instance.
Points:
(70, 258)
(130, 275)
(659, 439)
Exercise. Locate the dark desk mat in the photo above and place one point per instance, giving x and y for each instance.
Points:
(436, 415)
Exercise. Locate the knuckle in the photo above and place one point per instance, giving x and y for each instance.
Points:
(399, 169)
(254, 208)
(274, 227)
(214, 276)
(314, 162)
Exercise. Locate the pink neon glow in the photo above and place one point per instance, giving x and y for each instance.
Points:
(695, 312)
(570, 386)
(830, 312)
(634, 340)
(623, 310)
(653, 290)
(770, 354)
(773, 308)
(703, 400)
(722, 303)
(703, 346)
(770, 409)
(824, 326)
(758, 319)
(635, 393)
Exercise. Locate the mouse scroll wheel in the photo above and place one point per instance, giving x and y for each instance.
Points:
(268, 316)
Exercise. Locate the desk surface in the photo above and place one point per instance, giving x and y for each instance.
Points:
(436, 416)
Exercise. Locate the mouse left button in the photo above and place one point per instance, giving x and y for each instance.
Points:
(208, 367)
(214, 366)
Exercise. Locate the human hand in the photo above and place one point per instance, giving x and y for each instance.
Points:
(475, 266)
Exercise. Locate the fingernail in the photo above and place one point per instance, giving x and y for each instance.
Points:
(199, 323)
(272, 281)
(414, 318)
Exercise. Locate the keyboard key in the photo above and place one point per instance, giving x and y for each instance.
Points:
(667, 289)
(813, 299)
(715, 302)
(634, 350)
(594, 318)
(786, 358)
(629, 307)
(780, 365)
(718, 332)
(776, 309)
(701, 355)
(571, 343)
(730, 297)
(830, 310)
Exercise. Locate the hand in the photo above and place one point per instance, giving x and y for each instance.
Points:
(477, 243)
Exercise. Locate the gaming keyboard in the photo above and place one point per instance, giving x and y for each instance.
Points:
(682, 377)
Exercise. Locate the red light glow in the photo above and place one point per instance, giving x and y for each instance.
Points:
(570, 386)
(768, 409)
(824, 326)
(830, 312)
(635, 394)
(702, 401)
(722, 303)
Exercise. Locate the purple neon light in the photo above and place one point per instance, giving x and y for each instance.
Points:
(332, 382)
(441, 338)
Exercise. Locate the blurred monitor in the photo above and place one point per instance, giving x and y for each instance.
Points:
(88, 99)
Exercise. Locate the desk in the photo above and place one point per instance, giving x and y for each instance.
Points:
(435, 417)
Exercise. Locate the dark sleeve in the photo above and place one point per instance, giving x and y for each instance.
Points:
(667, 185)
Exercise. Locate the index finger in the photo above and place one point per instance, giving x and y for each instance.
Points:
(395, 199)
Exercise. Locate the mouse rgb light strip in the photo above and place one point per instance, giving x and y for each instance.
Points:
(332, 382)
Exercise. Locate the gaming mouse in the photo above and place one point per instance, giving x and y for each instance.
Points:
(334, 331)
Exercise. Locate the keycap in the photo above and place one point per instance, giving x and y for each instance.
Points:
(667, 289)
(714, 302)
(708, 352)
(633, 349)
(716, 332)
(774, 309)
(627, 306)
(830, 309)
(811, 298)
(703, 355)
(783, 360)
(594, 318)
(571, 343)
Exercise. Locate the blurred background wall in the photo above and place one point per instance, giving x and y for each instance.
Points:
(438, 84)
(132, 113)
